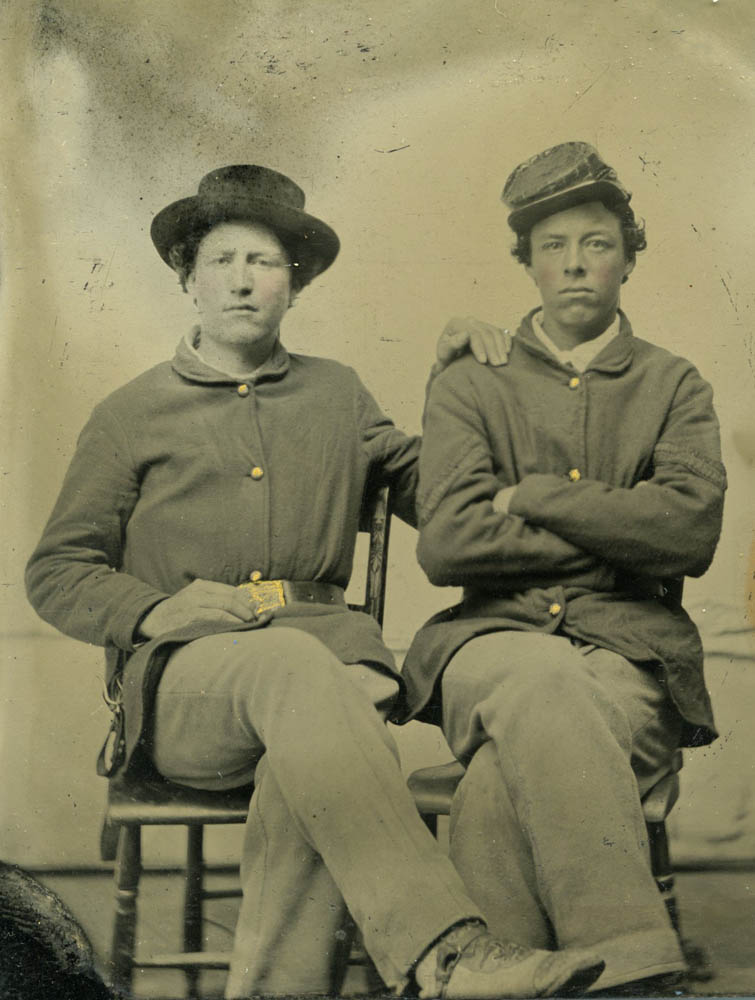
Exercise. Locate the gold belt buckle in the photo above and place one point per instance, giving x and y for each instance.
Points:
(267, 595)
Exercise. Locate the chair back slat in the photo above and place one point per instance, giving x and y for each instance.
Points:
(376, 520)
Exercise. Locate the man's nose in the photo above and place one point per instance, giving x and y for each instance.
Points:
(243, 277)
(574, 260)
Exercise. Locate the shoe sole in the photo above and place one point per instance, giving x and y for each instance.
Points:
(576, 984)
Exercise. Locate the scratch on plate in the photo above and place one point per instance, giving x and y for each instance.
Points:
(733, 304)
(589, 87)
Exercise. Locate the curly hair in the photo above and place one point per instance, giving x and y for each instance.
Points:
(632, 232)
(183, 257)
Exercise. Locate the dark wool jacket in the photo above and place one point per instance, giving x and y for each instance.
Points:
(161, 492)
(619, 486)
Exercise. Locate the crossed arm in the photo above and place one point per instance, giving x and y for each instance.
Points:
(476, 529)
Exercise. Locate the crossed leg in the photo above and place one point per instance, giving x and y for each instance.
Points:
(331, 822)
(547, 825)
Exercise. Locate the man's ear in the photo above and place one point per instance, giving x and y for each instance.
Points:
(530, 272)
(629, 267)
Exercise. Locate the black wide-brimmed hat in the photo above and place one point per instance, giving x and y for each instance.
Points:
(248, 193)
(558, 178)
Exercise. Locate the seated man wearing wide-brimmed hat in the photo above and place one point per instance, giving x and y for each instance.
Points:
(562, 491)
(204, 535)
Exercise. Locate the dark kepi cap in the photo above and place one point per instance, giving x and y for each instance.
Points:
(248, 193)
(565, 175)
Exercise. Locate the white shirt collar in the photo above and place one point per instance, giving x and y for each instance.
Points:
(578, 357)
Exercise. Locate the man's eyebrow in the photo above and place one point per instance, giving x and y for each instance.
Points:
(553, 235)
(221, 251)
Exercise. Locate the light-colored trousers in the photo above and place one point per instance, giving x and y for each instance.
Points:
(331, 823)
(547, 829)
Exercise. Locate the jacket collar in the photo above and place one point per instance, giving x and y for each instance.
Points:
(615, 356)
(190, 365)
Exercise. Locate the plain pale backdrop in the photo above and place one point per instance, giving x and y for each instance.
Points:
(401, 121)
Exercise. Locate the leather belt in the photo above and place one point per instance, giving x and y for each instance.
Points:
(267, 595)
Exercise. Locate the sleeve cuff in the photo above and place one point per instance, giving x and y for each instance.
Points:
(126, 628)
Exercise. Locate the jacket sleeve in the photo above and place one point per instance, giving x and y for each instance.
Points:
(665, 526)
(463, 541)
(74, 579)
(393, 456)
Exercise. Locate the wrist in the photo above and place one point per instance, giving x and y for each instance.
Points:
(139, 634)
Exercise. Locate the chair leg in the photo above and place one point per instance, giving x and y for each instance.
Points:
(431, 822)
(699, 964)
(128, 869)
(660, 862)
(193, 903)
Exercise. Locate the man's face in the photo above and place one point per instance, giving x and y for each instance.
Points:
(578, 265)
(241, 284)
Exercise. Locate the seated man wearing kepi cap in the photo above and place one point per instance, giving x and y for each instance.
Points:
(204, 534)
(562, 492)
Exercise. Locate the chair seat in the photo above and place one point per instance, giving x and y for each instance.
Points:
(158, 802)
(433, 789)
(161, 803)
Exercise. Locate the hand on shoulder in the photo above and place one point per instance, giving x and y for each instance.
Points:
(489, 344)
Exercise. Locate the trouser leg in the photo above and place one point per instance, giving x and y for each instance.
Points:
(225, 700)
(293, 933)
(567, 729)
(492, 854)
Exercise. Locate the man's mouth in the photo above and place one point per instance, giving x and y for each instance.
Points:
(576, 291)
(244, 308)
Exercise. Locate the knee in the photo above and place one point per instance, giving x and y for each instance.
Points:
(301, 651)
(537, 688)
(296, 646)
(553, 694)
(282, 657)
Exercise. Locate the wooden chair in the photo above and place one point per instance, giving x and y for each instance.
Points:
(132, 805)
